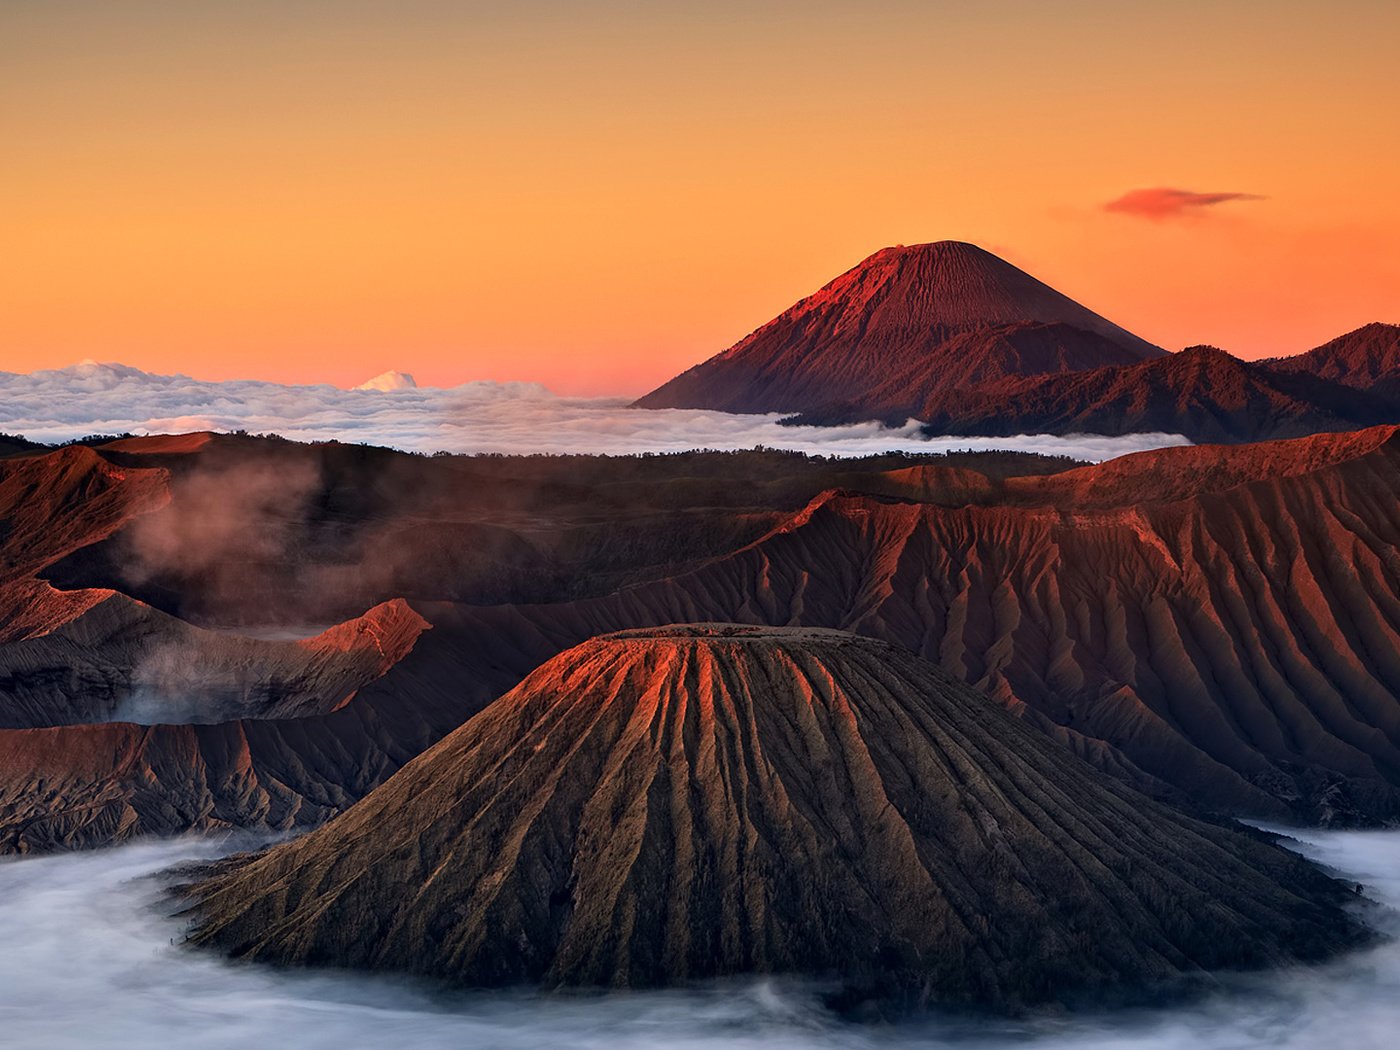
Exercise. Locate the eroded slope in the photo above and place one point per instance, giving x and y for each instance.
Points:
(661, 806)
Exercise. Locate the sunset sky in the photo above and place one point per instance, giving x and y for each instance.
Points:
(596, 195)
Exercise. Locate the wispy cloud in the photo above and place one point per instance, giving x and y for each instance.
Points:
(92, 959)
(1161, 202)
(65, 403)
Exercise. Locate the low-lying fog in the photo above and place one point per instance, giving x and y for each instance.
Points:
(89, 398)
(88, 960)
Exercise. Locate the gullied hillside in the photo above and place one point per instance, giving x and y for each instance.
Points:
(1201, 392)
(1219, 624)
(52, 505)
(662, 806)
(904, 322)
(1362, 358)
(120, 718)
(1215, 625)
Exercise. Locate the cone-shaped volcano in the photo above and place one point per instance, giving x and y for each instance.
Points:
(659, 806)
(898, 327)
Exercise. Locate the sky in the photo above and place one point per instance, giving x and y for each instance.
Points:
(596, 194)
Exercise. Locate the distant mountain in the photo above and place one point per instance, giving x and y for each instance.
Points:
(1361, 358)
(902, 324)
(1201, 392)
(691, 802)
(387, 382)
(952, 335)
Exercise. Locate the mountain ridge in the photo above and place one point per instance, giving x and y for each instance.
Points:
(951, 336)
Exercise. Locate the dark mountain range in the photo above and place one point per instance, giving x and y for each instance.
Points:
(164, 657)
(1215, 625)
(1202, 393)
(1363, 358)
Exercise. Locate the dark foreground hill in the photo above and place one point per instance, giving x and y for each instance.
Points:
(655, 807)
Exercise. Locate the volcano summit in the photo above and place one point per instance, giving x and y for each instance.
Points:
(898, 327)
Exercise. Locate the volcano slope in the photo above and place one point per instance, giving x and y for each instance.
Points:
(164, 660)
(877, 341)
(949, 334)
(656, 807)
(1218, 625)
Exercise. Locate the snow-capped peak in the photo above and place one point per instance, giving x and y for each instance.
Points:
(387, 381)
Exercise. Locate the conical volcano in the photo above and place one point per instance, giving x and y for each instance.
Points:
(899, 326)
(661, 806)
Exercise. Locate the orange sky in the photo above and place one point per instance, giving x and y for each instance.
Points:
(596, 195)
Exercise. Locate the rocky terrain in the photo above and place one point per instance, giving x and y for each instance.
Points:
(1216, 626)
(669, 805)
(119, 716)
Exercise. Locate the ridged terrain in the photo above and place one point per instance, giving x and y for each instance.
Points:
(657, 807)
(123, 661)
(122, 724)
(903, 323)
(1361, 358)
(52, 505)
(1201, 392)
(285, 727)
(1216, 624)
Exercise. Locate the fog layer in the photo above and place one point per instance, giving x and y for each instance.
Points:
(68, 403)
(90, 959)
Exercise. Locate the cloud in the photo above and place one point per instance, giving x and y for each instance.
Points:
(1160, 202)
(89, 961)
(87, 398)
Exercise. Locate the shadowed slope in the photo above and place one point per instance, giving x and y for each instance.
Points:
(256, 729)
(1201, 392)
(660, 806)
(1219, 623)
(906, 319)
(1361, 358)
(123, 661)
(1222, 623)
(51, 505)
(215, 731)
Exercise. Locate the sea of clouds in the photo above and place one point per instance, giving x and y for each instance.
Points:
(92, 957)
(91, 398)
